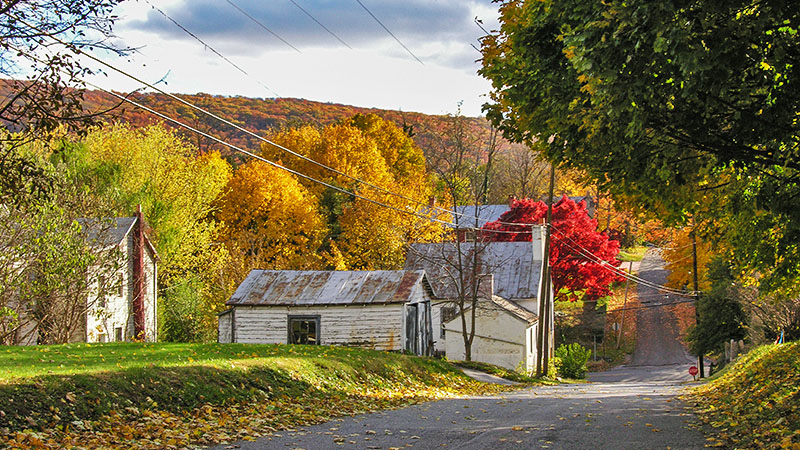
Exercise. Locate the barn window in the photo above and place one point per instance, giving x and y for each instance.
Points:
(304, 330)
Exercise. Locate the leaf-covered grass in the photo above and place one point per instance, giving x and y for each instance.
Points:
(755, 403)
(160, 395)
(632, 253)
(502, 372)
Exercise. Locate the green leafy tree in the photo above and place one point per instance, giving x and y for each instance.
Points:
(664, 101)
(720, 316)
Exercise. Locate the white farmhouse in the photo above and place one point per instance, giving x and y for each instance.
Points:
(510, 280)
(382, 309)
(122, 304)
(130, 311)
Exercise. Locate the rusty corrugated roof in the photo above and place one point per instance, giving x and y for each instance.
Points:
(325, 287)
(516, 266)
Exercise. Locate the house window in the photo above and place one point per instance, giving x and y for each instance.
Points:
(447, 314)
(118, 334)
(120, 289)
(304, 330)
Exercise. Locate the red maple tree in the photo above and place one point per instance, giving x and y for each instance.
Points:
(575, 246)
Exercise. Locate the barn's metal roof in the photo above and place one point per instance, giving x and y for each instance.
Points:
(320, 287)
(484, 213)
(515, 266)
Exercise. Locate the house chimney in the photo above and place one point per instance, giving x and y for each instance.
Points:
(138, 276)
(511, 199)
(486, 286)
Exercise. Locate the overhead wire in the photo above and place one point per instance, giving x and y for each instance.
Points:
(213, 50)
(320, 24)
(390, 33)
(609, 266)
(455, 225)
(260, 24)
(586, 253)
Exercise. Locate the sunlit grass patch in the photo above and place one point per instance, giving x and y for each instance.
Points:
(131, 395)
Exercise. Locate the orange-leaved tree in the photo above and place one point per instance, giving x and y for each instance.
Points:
(361, 233)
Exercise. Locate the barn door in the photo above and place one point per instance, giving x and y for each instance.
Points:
(411, 329)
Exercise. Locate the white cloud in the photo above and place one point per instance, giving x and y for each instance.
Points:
(376, 73)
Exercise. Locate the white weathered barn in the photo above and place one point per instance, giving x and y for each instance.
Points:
(506, 319)
(382, 310)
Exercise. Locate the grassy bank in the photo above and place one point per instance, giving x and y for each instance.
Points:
(160, 395)
(755, 403)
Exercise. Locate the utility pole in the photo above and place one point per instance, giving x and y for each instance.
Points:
(696, 297)
(543, 347)
(624, 303)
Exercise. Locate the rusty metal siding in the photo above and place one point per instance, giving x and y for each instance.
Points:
(310, 288)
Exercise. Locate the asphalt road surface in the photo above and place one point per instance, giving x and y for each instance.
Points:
(657, 341)
(634, 407)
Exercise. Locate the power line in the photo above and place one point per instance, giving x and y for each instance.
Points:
(390, 33)
(582, 251)
(259, 23)
(320, 24)
(213, 50)
(285, 149)
(632, 308)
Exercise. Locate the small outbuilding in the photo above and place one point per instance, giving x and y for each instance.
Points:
(382, 309)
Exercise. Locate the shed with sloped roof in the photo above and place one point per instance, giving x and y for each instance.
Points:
(381, 309)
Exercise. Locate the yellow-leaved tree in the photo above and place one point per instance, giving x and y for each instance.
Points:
(177, 189)
(363, 234)
(679, 261)
(269, 221)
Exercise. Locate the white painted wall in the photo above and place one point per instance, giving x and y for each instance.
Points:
(224, 327)
(500, 339)
(378, 327)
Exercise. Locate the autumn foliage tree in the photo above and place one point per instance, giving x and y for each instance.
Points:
(361, 234)
(574, 236)
(269, 221)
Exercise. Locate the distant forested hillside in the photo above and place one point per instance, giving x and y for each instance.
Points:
(261, 116)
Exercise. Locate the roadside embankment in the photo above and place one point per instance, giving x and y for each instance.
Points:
(181, 395)
(755, 402)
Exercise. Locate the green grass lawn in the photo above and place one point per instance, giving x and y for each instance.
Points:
(73, 359)
(632, 253)
(91, 395)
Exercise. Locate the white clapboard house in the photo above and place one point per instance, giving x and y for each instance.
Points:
(510, 279)
(126, 312)
(381, 309)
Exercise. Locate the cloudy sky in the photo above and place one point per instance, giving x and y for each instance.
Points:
(275, 48)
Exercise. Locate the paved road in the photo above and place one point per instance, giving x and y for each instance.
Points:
(656, 334)
(628, 408)
(632, 407)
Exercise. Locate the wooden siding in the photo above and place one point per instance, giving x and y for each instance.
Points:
(370, 326)
(224, 327)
